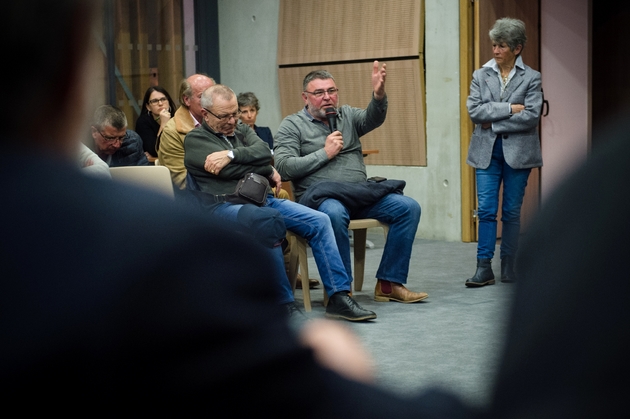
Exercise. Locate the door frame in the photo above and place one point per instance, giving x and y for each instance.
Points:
(466, 68)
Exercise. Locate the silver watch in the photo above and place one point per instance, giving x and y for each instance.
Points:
(230, 154)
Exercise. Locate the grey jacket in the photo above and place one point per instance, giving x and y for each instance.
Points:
(519, 132)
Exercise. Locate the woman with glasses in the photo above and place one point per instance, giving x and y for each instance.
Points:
(157, 109)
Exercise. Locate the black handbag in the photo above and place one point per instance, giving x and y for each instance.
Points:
(252, 189)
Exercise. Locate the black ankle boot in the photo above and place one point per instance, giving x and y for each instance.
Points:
(507, 269)
(483, 275)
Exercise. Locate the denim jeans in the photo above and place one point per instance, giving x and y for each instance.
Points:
(230, 212)
(488, 184)
(316, 228)
(400, 212)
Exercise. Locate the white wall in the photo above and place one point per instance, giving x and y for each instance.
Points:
(249, 62)
(248, 42)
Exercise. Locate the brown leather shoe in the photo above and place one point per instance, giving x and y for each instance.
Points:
(393, 291)
(312, 282)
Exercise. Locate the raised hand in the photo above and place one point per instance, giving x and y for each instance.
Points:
(378, 80)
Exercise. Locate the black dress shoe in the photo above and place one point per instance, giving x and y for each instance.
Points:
(342, 306)
(294, 314)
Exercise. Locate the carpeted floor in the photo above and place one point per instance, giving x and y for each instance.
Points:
(452, 339)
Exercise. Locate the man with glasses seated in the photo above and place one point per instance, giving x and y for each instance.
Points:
(222, 151)
(318, 155)
(113, 142)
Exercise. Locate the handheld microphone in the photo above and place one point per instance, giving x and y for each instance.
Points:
(331, 116)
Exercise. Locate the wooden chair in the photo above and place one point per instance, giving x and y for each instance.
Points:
(157, 178)
(359, 228)
(291, 259)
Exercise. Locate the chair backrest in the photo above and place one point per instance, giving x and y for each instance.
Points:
(157, 178)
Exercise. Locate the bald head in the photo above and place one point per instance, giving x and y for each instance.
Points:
(191, 90)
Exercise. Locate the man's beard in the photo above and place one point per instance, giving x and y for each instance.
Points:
(318, 113)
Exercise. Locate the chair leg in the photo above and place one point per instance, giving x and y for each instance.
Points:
(291, 260)
(303, 260)
(360, 237)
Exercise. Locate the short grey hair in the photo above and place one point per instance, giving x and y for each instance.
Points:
(316, 74)
(217, 90)
(248, 99)
(109, 116)
(509, 30)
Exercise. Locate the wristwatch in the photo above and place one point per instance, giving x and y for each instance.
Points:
(230, 154)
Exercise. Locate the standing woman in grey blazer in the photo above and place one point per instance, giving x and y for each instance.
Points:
(505, 102)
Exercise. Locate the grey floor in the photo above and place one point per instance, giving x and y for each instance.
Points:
(452, 339)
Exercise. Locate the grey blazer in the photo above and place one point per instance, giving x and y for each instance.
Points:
(519, 132)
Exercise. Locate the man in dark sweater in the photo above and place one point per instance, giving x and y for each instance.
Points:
(113, 142)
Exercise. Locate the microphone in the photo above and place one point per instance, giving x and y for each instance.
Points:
(331, 116)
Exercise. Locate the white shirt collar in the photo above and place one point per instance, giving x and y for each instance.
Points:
(493, 64)
(197, 123)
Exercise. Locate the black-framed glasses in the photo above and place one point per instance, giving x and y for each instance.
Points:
(109, 139)
(320, 93)
(234, 115)
(159, 100)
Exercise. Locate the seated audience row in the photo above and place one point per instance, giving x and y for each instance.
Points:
(220, 150)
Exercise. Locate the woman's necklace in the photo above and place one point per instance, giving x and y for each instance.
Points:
(504, 80)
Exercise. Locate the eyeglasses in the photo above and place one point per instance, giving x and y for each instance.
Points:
(160, 100)
(109, 139)
(234, 115)
(320, 93)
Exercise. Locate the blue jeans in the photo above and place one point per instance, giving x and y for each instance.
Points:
(400, 212)
(488, 184)
(230, 212)
(316, 228)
